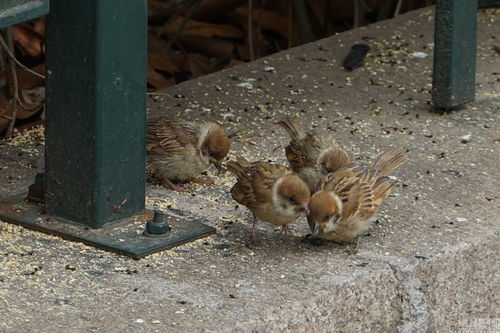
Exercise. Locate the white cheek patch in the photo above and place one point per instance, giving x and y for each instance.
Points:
(203, 132)
(278, 203)
(204, 158)
(275, 196)
(330, 227)
(283, 208)
(288, 211)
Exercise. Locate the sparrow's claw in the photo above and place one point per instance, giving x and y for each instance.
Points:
(285, 230)
(353, 249)
(202, 181)
(252, 241)
(167, 183)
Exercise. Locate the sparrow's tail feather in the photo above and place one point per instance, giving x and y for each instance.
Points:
(390, 161)
(292, 128)
(237, 166)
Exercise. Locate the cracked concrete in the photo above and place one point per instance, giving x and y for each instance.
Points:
(430, 263)
(415, 309)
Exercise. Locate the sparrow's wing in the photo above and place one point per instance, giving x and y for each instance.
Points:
(381, 189)
(373, 185)
(305, 149)
(296, 154)
(316, 144)
(362, 200)
(242, 191)
(255, 181)
(306, 152)
(340, 181)
(264, 176)
(170, 137)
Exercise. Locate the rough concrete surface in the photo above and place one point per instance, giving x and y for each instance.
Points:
(430, 263)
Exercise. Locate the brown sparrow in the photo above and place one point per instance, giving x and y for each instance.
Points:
(347, 201)
(270, 191)
(312, 155)
(179, 150)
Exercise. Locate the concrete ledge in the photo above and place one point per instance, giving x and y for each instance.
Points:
(462, 288)
(430, 264)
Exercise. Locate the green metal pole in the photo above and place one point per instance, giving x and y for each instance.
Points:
(95, 110)
(454, 53)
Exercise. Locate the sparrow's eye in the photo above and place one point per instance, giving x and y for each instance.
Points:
(293, 201)
(327, 218)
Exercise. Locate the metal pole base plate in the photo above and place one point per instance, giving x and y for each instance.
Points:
(124, 236)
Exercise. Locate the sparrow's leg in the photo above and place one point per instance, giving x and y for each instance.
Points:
(253, 239)
(167, 183)
(202, 181)
(354, 247)
(286, 230)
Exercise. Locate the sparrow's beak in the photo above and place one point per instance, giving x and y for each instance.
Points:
(218, 166)
(316, 229)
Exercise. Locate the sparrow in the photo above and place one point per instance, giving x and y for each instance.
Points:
(179, 150)
(347, 200)
(312, 155)
(270, 191)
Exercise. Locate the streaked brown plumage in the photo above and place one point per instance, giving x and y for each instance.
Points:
(312, 155)
(270, 191)
(347, 201)
(178, 150)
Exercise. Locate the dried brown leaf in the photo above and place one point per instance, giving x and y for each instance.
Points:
(196, 64)
(233, 63)
(156, 80)
(21, 113)
(163, 63)
(39, 26)
(204, 29)
(32, 98)
(218, 48)
(29, 81)
(29, 41)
